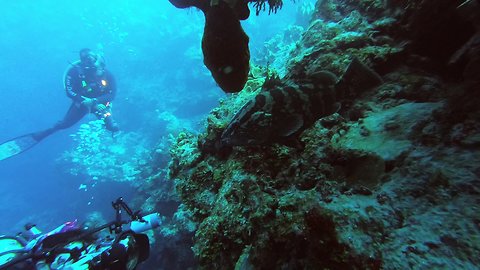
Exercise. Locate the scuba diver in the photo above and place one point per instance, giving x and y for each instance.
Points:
(92, 89)
(70, 246)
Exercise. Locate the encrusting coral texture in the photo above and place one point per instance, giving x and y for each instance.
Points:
(388, 182)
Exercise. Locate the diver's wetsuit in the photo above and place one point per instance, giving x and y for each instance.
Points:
(79, 83)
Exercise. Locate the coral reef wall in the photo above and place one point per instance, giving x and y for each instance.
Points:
(391, 181)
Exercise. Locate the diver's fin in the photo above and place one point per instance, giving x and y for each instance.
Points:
(357, 79)
(17, 145)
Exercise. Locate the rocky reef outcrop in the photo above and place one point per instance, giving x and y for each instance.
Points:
(391, 181)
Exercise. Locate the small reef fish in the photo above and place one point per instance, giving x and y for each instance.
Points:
(283, 109)
(224, 43)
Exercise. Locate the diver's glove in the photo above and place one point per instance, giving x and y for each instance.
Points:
(89, 102)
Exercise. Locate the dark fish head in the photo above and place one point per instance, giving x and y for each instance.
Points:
(235, 135)
(248, 127)
(252, 131)
(225, 48)
(224, 43)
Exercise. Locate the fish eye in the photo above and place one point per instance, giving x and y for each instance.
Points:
(227, 69)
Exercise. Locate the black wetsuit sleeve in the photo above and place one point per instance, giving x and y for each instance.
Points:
(111, 89)
(73, 84)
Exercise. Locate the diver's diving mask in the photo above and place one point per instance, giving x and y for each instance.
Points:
(89, 60)
(93, 62)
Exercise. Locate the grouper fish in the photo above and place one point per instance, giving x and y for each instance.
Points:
(224, 43)
(283, 109)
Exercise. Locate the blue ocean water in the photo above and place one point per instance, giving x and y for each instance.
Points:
(154, 52)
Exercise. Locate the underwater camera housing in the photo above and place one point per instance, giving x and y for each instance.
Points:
(123, 248)
(124, 254)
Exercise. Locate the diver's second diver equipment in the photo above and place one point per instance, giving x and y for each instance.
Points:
(149, 222)
(79, 251)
